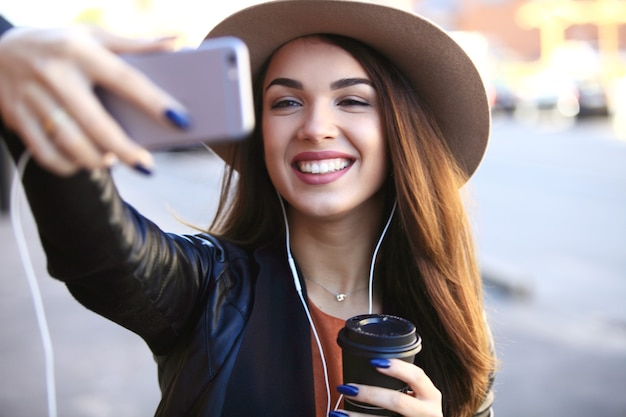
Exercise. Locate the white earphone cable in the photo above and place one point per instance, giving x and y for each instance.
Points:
(31, 277)
(373, 263)
(296, 280)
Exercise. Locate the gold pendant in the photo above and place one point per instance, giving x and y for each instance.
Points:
(341, 297)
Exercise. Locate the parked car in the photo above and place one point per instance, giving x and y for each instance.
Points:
(592, 97)
(550, 91)
(502, 97)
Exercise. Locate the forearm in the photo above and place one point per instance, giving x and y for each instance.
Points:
(113, 260)
(72, 219)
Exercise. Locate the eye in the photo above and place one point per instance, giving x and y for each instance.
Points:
(285, 104)
(353, 102)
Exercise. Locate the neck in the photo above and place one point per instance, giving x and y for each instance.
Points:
(335, 258)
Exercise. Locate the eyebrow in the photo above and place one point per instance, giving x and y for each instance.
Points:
(287, 82)
(335, 85)
(349, 82)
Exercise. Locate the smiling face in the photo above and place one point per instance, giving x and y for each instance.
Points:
(324, 148)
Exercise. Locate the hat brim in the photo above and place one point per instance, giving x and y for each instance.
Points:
(440, 71)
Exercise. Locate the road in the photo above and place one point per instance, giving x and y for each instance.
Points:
(551, 221)
(548, 206)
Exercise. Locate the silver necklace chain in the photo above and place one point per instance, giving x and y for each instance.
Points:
(340, 296)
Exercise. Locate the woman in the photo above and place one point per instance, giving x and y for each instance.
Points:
(347, 201)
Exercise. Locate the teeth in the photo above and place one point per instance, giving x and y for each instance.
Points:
(323, 167)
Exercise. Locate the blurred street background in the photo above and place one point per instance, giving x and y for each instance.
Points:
(548, 206)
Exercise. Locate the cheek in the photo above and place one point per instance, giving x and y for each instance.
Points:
(382, 164)
(376, 144)
(379, 168)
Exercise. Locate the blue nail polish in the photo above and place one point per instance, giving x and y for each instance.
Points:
(337, 414)
(380, 363)
(178, 118)
(142, 169)
(348, 390)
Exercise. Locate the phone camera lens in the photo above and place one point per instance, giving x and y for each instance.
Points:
(232, 59)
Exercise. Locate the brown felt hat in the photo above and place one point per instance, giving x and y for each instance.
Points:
(439, 70)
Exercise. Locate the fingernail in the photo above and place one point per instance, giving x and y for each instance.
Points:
(337, 414)
(380, 363)
(348, 390)
(178, 118)
(142, 169)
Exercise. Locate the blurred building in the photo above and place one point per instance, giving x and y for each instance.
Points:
(552, 43)
(531, 28)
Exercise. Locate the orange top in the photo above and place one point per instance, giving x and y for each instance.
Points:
(327, 328)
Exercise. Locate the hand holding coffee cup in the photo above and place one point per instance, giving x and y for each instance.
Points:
(375, 336)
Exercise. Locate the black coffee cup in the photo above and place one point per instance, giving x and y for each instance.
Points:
(370, 336)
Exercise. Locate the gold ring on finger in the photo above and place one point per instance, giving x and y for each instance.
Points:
(52, 122)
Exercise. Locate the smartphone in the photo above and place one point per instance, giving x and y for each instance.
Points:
(214, 84)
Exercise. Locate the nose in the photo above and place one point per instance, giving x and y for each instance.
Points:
(318, 123)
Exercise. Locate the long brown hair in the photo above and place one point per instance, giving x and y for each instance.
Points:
(427, 264)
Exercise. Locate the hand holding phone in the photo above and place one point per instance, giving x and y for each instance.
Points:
(212, 82)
